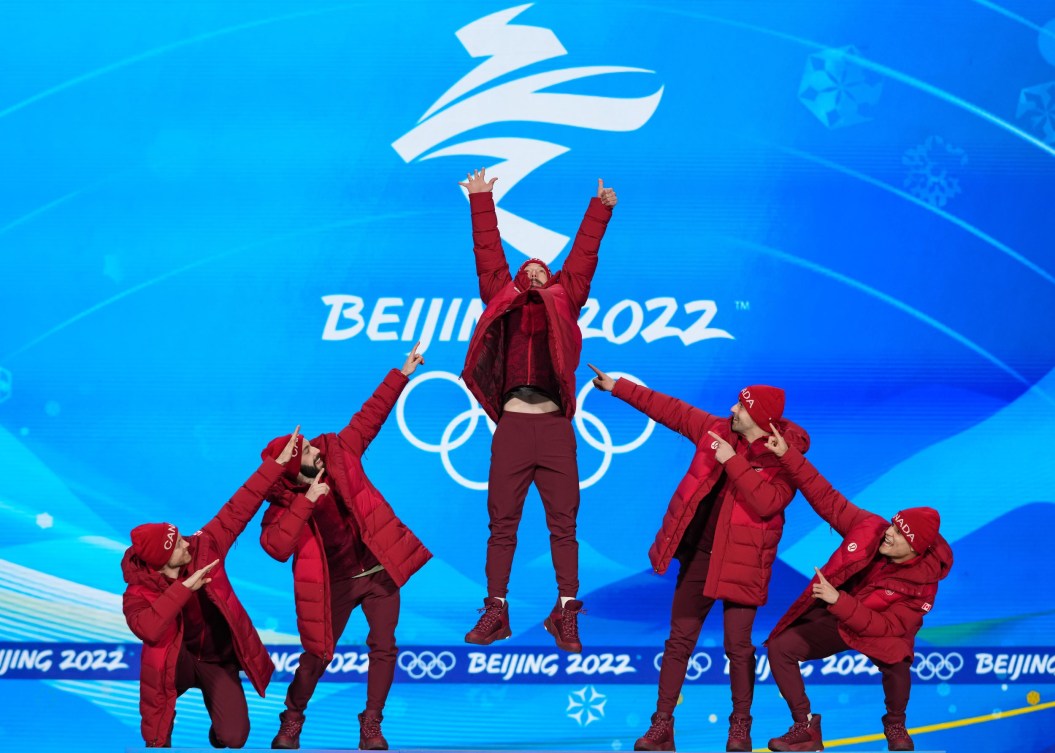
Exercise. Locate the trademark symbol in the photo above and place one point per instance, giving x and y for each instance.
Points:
(743, 305)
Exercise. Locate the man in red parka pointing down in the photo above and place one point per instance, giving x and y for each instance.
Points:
(195, 632)
(349, 550)
(723, 525)
(520, 367)
(871, 596)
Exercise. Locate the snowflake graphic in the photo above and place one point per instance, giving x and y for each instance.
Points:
(6, 384)
(586, 705)
(44, 520)
(931, 170)
(837, 90)
(1036, 105)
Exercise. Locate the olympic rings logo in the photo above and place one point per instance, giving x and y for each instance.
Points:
(464, 424)
(698, 664)
(935, 665)
(426, 664)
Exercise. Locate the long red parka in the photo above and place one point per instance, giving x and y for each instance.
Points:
(289, 529)
(881, 618)
(153, 607)
(755, 494)
(563, 296)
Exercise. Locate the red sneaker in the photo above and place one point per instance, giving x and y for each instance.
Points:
(370, 737)
(660, 735)
(563, 625)
(801, 736)
(493, 624)
(288, 737)
(897, 737)
(739, 733)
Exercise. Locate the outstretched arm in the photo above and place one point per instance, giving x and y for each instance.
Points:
(492, 269)
(577, 272)
(365, 424)
(675, 414)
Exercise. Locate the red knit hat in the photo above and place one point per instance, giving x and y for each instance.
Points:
(154, 543)
(521, 278)
(919, 525)
(764, 404)
(274, 449)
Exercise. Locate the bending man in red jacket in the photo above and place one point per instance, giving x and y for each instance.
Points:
(195, 632)
(521, 368)
(349, 549)
(871, 596)
(723, 525)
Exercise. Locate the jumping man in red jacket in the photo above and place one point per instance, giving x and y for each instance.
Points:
(723, 525)
(195, 632)
(521, 368)
(349, 549)
(871, 597)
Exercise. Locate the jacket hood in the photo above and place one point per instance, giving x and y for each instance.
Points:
(793, 434)
(138, 573)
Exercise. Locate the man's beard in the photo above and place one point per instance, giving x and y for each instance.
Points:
(308, 470)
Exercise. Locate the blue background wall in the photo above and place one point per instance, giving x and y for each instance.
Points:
(219, 219)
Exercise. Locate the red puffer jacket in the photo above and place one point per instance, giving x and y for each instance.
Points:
(755, 494)
(289, 529)
(881, 618)
(153, 606)
(563, 296)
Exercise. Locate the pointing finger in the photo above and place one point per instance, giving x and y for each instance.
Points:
(596, 370)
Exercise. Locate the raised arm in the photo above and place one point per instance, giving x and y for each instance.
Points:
(492, 268)
(281, 528)
(365, 424)
(675, 414)
(577, 272)
(235, 515)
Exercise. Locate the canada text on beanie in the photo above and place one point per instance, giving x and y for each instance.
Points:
(154, 543)
(919, 526)
(764, 404)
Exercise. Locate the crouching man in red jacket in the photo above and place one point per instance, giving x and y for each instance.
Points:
(195, 632)
(871, 597)
(520, 367)
(723, 525)
(349, 549)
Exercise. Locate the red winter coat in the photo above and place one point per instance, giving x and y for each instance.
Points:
(153, 607)
(882, 617)
(754, 496)
(289, 529)
(563, 296)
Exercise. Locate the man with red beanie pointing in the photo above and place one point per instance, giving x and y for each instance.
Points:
(349, 550)
(871, 597)
(195, 632)
(520, 367)
(722, 525)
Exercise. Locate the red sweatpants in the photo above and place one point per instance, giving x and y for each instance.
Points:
(540, 448)
(687, 614)
(221, 689)
(379, 597)
(815, 635)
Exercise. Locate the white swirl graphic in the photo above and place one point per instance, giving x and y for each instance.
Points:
(471, 417)
(936, 665)
(426, 664)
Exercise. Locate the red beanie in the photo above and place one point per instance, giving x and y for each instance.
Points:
(919, 525)
(764, 404)
(521, 278)
(153, 543)
(274, 449)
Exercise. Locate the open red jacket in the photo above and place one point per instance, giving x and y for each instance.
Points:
(564, 295)
(755, 494)
(289, 529)
(881, 618)
(153, 607)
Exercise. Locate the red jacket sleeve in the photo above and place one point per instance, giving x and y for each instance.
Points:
(675, 414)
(281, 527)
(577, 272)
(898, 620)
(837, 511)
(766, 498)
(491, 265)
(148, 620)
(235, 515)
(365, 424)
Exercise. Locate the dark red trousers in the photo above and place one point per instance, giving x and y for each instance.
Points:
(221, 689)
(379, 597)
(815, 635)
(539, 448)
(687, 614)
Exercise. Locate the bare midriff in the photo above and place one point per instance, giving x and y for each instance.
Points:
(529, 400)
